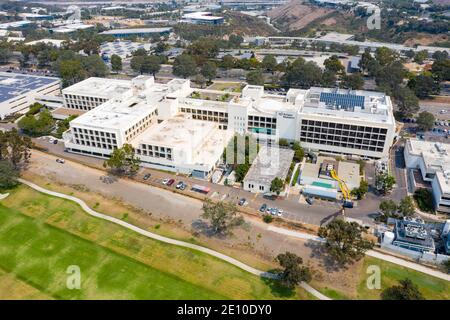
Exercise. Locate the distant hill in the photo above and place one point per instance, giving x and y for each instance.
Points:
(297, 15)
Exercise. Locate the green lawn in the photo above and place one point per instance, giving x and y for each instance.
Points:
(431, 287)
(40, 236)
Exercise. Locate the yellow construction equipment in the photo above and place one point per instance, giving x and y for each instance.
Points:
(342, 185)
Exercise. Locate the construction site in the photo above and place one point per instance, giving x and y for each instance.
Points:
(330, 179)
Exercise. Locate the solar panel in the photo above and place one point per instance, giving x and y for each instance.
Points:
(343, 100)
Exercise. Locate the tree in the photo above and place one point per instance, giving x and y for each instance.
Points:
(255, 77)
(199, 79)
(116, 63)
(421, 56)
(303, 74)
(388, 208)
(94, 66)
(386, 56)
(424, 86)
(277, 185)
(441, 70)
(228, 62)
(223, 216)
(424, 199)
(334, 65)
(123, 161)
(269, 63)
(282, 142)
(151, 64)
(299, 153)
(5, 55)
(446, 266)
(344, 241)
(16, 148)
(136, 63)
(354, 81)
(293, 272)
(407, 101)
(385, 182)
(366, 58)
(184, 66)
(406, 290)
(406, 206)
(8, 175)
(361, 191)
(209, 70)
(425, 121)
(37, 126)
(241, 171)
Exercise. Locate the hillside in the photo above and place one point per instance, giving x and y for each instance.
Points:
(297, 15)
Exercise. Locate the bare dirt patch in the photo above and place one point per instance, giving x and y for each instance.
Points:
(297, 15)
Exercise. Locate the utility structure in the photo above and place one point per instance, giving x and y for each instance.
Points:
(347, 200)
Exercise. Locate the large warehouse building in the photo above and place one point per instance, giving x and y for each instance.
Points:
(19, 91)
(327, 120)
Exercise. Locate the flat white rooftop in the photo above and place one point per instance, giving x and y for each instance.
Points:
(99, 87)
(361, 105)
(115, 115)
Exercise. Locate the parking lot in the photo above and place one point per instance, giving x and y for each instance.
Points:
(294, 206)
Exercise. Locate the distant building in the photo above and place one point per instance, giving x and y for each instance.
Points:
(19, 91)
(353, 65)
(123, 49)
(137, 32)
(202, 18)
(54, 42)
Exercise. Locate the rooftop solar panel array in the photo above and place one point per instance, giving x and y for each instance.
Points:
(15, 84)
(343, 100)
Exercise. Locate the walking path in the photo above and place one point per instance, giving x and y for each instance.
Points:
(371, 253)
(155, 236)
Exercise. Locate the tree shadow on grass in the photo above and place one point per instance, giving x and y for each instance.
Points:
(205, 229)
(276, 287)
(319, 252)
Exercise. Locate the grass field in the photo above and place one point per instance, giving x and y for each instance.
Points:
(431, 287)
(40, 236)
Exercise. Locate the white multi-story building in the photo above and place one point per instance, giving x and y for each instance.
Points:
(92, 92)
(326, 120)
(19, 91)
(433, 161)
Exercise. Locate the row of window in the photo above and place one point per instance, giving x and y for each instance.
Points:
(353, 128)
(342, 144)
(140, 126)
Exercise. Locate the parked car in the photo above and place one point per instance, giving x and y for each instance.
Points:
(165, 181)
(309, 200)
(181, 185)
(170, 182)
(146, 176)
(280, 212)
(263, 208)
(55, 141)
(273, 211)
(243, 202)
(59, 160)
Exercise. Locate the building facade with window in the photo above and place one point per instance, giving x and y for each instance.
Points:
(134, 111)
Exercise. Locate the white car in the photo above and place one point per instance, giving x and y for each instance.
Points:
(59, 160)
(165, 181)
(280, 212)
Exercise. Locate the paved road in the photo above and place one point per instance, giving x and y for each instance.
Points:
(294, 210)
(371, 253)
(158, 237)
(398, 169)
